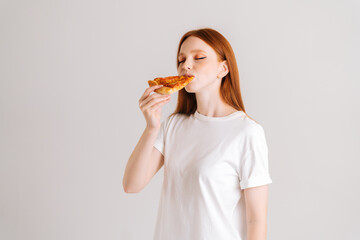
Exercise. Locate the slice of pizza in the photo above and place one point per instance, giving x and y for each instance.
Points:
(171, 84)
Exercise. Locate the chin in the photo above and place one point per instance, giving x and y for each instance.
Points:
(189, 89)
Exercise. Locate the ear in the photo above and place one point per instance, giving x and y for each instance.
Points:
(224, 69)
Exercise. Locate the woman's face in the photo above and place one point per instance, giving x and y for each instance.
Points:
(197, 58)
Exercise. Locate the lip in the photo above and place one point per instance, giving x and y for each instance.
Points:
(188, 75)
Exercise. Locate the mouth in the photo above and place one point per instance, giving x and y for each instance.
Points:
(188, 75)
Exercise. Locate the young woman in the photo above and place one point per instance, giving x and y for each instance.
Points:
(215, 156)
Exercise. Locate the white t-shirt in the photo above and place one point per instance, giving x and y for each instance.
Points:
(208, 161)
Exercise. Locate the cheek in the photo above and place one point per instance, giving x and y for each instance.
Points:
(204, 68)
(209, 70)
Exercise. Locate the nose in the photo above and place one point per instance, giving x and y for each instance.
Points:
(187, 65)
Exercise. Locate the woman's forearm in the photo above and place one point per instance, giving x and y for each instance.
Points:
(137, 165)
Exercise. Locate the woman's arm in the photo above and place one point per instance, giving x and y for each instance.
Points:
(144, 161)
(256, 201)
(136, 170)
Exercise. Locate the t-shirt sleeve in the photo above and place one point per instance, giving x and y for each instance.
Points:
(160, 139)
(254, 166)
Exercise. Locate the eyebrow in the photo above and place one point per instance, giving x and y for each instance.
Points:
(196, 50)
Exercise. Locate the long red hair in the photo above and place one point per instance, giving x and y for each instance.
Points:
(230, 84)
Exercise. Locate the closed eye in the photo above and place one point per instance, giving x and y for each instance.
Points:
(195, 59)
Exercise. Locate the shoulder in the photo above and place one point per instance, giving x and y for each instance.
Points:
(253, 133)
(173, 119)
(251, 127)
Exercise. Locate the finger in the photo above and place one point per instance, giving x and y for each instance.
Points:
(151, 97)
(159, 104)
(155, 100)
(145, 103)
(149, 90)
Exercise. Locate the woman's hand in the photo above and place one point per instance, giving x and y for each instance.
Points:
(150, 106)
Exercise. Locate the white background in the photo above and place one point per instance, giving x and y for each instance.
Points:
(71, 74)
